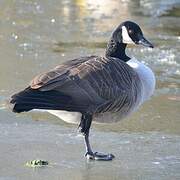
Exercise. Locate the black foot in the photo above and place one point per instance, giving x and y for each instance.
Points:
(99, 156)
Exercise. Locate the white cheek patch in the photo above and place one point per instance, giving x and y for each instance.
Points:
(125, 36)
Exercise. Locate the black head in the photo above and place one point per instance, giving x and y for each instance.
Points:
(130, 33)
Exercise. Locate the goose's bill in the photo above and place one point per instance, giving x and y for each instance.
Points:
(145, 42)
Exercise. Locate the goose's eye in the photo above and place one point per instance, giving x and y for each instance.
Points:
(130, 31)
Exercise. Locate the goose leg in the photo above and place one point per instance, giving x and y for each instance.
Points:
(84, 128)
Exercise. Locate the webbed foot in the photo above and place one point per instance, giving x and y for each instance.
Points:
(99, 156)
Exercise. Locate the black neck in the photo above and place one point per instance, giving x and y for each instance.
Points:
(117, 50)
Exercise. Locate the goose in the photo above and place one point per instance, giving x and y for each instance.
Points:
(104, 89)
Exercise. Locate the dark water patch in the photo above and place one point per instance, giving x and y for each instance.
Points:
(174, 12)
(28, 33)
(157, 8)
(90, 45)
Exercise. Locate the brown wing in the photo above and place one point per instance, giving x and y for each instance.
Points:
(71, 78)
(93, 80)
(57, 75)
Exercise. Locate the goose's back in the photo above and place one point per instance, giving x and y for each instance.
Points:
(99, 83)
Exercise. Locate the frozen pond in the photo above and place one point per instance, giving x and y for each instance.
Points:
(150, 155)
(38, 35)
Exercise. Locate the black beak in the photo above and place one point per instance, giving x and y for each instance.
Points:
(144, 42)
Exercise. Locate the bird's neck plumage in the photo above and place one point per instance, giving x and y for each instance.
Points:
(116, 50)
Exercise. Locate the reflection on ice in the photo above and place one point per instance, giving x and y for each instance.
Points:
(144, 154)
(35, 36)
(157, 8)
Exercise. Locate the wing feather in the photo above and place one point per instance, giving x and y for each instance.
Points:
(105, 82)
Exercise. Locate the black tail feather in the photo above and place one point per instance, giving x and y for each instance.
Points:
(29, 99)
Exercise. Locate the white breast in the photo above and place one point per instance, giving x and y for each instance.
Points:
(146, 76)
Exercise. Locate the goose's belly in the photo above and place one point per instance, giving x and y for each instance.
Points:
(106, 117)
(69, 117)
(113, 117)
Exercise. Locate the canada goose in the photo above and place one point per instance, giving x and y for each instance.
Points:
(92, 87)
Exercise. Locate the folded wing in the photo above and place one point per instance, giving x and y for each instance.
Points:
(97, 83)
